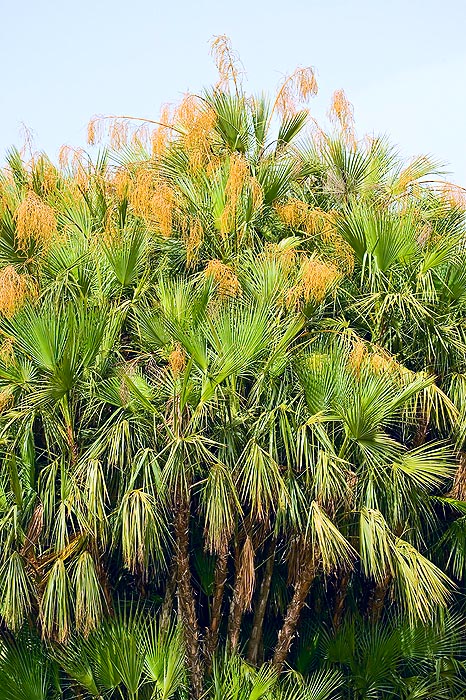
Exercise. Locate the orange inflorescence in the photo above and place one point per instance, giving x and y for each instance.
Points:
(122, 182)
(193, 237)
(344, 256)
(357, 356)
(382, 362)
(13, 290)
(177, 360)
(342, 251)
(154, 200)
(160, 135)
(93, 131)
(293, 213)
(64, 155)
(141, 192)
(196, 120)
(298, 215)
(224, 277)
(45, 171)
(454, 195)
(296, 89)
(35, 221)
(7, 353)
(315, 279)
(75, 159)
(141, 136)
(342, 113)
(162, 207)
(237, 177)
(285, 256)
(118, 132)
(226, 60)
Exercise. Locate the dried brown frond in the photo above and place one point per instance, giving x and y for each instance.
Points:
(247, 574)
(425, 234)
(13, 290)
(124, 392)
(224, 277)
(296, 90)
(342, 113)
(35, 222)
(177, 360)
(227, 62)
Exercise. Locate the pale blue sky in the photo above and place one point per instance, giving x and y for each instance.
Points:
(402, 63)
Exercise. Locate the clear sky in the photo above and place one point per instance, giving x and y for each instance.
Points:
(402, 63)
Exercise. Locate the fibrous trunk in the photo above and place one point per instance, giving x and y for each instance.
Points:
(243, 590)
(186, 602)
(377, 599)
(340, 598)
(220, 577)
(290, 624)
(261, 606)
(170, 590)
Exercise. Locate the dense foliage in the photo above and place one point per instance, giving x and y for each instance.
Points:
(232, 383)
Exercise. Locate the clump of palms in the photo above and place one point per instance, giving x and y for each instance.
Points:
(231, 391)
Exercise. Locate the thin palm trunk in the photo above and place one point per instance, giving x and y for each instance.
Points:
(220, 577)
(290, 623)
(340, 598)
(186, 602)
(459, 482)
(236, 606)
(170, 590)
(261, 605)
(377, 598)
